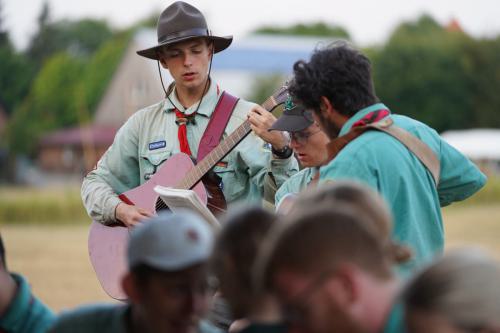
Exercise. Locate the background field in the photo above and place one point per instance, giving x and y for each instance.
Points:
(53, 256)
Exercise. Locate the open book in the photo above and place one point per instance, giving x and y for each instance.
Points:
(185, 199)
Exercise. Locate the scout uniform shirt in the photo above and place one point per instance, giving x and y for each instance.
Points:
(385, 164)
(296, 183)
(149, 138)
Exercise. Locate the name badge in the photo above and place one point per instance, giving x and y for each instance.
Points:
(157, 145)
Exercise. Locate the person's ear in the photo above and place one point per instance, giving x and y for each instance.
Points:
(163, 62)
(344, 287)
(131, 288)
(211, 46)
(325, 105)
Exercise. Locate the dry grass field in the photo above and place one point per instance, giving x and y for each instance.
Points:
(55, 260)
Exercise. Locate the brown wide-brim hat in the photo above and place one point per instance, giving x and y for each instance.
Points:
(179, 22)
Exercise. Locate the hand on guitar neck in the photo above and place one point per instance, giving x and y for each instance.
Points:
(131, 215)
(260, 122)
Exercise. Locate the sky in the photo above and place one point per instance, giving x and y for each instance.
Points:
(368, 21)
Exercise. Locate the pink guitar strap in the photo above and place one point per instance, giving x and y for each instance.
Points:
(216, 125)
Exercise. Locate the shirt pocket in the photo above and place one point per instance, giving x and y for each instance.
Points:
(151, 161)
(232, 185)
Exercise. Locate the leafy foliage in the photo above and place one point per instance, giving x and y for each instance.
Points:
(80, 38)
(16, 73)
(483, 68)
(50, 104)
(422, 72)
(313, 29)
(64, 91)
(100, 69)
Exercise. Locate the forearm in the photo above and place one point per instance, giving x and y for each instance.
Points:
(99, 199)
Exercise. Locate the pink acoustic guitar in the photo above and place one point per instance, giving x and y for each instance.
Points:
(107, 244)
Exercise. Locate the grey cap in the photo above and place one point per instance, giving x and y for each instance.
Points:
(293, 119)
(171, 241)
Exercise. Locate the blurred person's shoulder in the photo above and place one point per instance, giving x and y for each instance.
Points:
(26, 312)
(92, 318)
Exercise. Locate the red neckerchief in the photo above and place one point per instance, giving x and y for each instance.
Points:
(359, 127)
(181, 121)
(371, 117)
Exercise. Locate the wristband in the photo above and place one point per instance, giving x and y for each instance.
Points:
(283, 153)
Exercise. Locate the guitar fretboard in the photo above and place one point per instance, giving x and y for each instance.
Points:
(194, 175)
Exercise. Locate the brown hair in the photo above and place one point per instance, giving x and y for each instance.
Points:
(235, 251)
(463, 286)
(364, 201)
(320, 238)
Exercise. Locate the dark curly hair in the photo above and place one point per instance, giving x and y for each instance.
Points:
(340, 73)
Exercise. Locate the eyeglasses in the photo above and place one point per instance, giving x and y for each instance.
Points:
(301, 137)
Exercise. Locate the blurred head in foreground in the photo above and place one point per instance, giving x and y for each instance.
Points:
(330, 269)
(458, 293)
(235, 252)
(167, 283)
(363, 200)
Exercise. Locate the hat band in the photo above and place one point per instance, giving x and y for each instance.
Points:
(201, 32)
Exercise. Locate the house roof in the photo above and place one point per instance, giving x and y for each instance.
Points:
(475, 143)
(259, 52)
(96, 135)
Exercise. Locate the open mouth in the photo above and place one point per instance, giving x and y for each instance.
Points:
(189, 76)
(301, 156)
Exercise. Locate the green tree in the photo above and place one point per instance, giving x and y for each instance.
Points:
(15, 70)
(483, 68)
(312, 29)
(64, 93)
(420, 73)
(80, 38)
(16, 73)
(51, 103)
(100, 69)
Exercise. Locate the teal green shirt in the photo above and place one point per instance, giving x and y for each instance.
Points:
(149, 138)
(295, 183)
(395, 322)
(109, 318)
(385, 164)
(25, 314)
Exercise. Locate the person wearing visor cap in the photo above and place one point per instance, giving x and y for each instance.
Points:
(308, 142)
(177, 123)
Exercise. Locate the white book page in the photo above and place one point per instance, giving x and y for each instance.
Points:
(185, 199)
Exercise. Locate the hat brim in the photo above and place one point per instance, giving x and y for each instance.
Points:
(220, 44)
(291, 123)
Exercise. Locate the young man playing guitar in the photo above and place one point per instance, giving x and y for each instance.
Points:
(177, 123)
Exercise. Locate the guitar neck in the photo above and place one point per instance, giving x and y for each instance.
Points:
(194, 175)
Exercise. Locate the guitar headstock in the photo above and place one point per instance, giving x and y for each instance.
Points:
(279, 97)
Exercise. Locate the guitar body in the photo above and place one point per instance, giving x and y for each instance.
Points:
(108, 244)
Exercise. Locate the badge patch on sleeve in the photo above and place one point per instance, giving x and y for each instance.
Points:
(157, 145)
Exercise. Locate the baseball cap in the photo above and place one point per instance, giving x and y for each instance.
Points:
(294, 118)
(170, 241)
